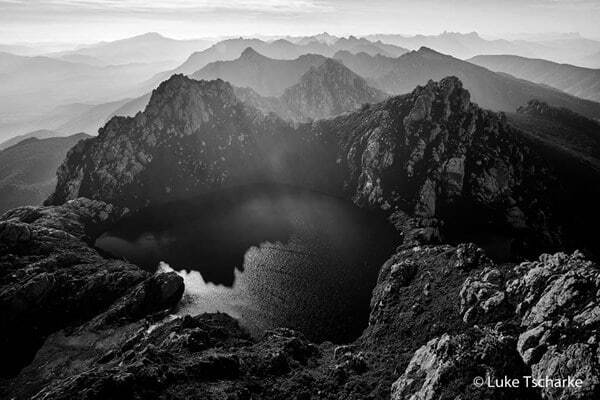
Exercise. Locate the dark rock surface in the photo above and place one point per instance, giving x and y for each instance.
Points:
(50, 277)
(554, 302)
(129, 351)
(420, 342)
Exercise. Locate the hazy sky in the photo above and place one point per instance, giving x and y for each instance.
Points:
(93, 20)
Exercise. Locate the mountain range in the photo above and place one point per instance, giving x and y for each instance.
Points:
(331, 155)
(572, 49)
(491, 90)
(72, 118)
(577, 81)
(33, 87)
(41, 134)
(91, 79)
(279, 49)
(324, 91)
(147, 48)
(78, 321)
(267, 76)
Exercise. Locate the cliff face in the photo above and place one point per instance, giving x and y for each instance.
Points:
(430, 158)
(441, 165)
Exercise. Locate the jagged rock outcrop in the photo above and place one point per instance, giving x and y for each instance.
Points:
(436, 156)
(555, 303)
(50, 277)
(446, 367)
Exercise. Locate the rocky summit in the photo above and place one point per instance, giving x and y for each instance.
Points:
(428, 158)
(80, 323)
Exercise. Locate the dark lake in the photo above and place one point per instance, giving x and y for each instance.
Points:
(271, 256)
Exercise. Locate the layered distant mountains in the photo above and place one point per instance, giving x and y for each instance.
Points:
(41, 134)
(147, 48)
(324, 91)
(559, 48)
(79, 90)
(28, 169)
(32, 88)
(267, 76)
(278, 49)
(77, 117)
(491, 90)
(578, 81)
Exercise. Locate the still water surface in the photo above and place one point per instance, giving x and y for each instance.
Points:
(270, 256)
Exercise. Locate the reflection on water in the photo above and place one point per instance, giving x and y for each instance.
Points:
(268, 255)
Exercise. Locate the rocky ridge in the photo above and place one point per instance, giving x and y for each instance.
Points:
(429, 158)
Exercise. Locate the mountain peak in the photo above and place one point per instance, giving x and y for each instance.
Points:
(152, 35)
(329, 89)
(250, 54)
(449, 91)
(181, 96)
(148, 36)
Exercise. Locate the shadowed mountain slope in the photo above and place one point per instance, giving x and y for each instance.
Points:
(28, 169)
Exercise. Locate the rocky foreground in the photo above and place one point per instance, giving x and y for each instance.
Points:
(440, 316)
